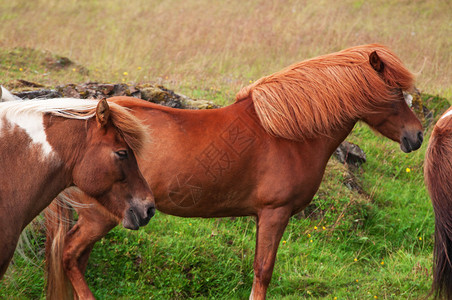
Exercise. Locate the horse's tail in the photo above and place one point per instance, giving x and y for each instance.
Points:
(438, 178)
(59, 217)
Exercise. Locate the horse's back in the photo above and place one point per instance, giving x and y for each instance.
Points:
(222, 162)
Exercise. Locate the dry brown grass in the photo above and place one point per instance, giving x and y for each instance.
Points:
(227, 43)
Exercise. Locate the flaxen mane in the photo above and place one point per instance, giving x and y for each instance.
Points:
(314, 96)
(132, 130)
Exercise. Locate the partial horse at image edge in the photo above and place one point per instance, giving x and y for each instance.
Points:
(438, 179)
(288, 124)
(45, 144)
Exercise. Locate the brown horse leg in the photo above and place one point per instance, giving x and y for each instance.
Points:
(79, 242)
(8, 246)
(271, 224)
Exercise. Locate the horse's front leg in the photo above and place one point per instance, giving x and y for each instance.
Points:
(78, 244)
(9, 243)
(271, 224)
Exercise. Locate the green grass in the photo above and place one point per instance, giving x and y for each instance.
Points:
(347, 244)
(40, 67)
(223, 45)
(376, 243)
(176, 258)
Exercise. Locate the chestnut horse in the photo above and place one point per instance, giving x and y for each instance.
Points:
(262, 156)
(49, 145)
(438, 178)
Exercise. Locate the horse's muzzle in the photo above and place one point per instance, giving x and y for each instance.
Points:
(136, 217)
(411, 142)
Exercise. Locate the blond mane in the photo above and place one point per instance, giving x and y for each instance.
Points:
(129, 126)
(317, 95)
(134, 132)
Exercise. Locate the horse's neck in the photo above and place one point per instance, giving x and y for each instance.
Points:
(337, 137)
(327, 143)
(31, 174)
(67, 137)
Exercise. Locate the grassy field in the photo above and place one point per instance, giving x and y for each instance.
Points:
(204, 45)
(350, 244)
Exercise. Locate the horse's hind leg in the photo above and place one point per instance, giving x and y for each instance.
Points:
(92, 225)
(271, 224)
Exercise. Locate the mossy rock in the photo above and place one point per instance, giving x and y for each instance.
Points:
(93, 90)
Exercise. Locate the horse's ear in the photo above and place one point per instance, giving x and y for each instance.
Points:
(376, 62)
(102, 113)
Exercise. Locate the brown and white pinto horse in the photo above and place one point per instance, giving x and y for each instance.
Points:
(264, 155)
(438, 178)
(49, 145)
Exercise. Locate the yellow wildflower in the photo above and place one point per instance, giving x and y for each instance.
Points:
(408, 170)
(125, 73)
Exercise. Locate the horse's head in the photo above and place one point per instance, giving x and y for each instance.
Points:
(108, 170)
(393, 117)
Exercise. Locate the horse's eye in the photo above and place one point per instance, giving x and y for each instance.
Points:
(122, 154)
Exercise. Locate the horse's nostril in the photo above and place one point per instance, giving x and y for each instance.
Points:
(405, 140)
(151, 211)
(420, 136)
